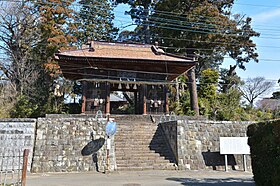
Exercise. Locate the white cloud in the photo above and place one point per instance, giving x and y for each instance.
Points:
(267, 16)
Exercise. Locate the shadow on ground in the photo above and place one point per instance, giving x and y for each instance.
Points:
(214, 182)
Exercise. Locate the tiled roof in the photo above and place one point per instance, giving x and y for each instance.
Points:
(124, 51)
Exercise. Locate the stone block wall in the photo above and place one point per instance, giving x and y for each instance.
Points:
(15, 136)
(170, 132)
(59, 141)
(198, 144)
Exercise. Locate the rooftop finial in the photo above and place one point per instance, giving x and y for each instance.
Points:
(90, 44)
(156, 43)
(156, 49)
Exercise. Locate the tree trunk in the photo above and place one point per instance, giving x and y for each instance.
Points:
(252, 103)
(193, 91)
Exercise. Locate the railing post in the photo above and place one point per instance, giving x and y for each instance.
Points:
(244, 162)
(226, 163)
(24, 167)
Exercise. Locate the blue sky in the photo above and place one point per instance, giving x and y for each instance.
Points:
(266, 20)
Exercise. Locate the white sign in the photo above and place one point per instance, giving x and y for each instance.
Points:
(234, 145)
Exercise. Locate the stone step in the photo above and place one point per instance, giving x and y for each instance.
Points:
(147, 161)
(136, 148)
(153, 158)
(132, 129)
(137, 133)
(141, 146)
(125, 143)
(129, 147)
(148, 157)
(134, 168)
(143, 154)
(169, 166)
(154, 144)
(136, 127)
(143, 125)
(140, 149)
(136, 151)
(132, 122)
(136, 138)
(141, 164)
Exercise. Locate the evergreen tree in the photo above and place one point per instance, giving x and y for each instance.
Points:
(208, 84)
(206, 28)
(140, 12)
(229, 79)
(56, 24)
(94, 21)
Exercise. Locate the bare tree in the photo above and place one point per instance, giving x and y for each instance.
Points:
(7, 96)
(255, 87)
(19, 34)
(268, 104)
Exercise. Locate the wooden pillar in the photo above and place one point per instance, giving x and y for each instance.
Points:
(84, 98)
(140, 100)
(24, 166)
(166, 104)
(193, 91)
(144, 89)
(107, 106)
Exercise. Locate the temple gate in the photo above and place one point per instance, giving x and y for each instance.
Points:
(143, 70)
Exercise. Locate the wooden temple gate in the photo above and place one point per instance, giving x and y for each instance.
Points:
(144, 70)
(147, 98)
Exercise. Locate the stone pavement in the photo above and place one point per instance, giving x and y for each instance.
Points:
(143, 178)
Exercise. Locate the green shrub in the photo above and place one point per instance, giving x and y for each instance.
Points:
(264, 142)
(24, 108)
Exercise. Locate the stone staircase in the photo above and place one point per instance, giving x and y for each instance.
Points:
(140, 145)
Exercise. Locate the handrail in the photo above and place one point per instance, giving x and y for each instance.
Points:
(99, 117)
(171, 117)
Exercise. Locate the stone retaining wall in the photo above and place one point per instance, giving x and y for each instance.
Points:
(198, 144)
(59, 142)
(170, 132)
(15, 136)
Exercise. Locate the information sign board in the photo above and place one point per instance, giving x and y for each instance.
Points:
(234, 145)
